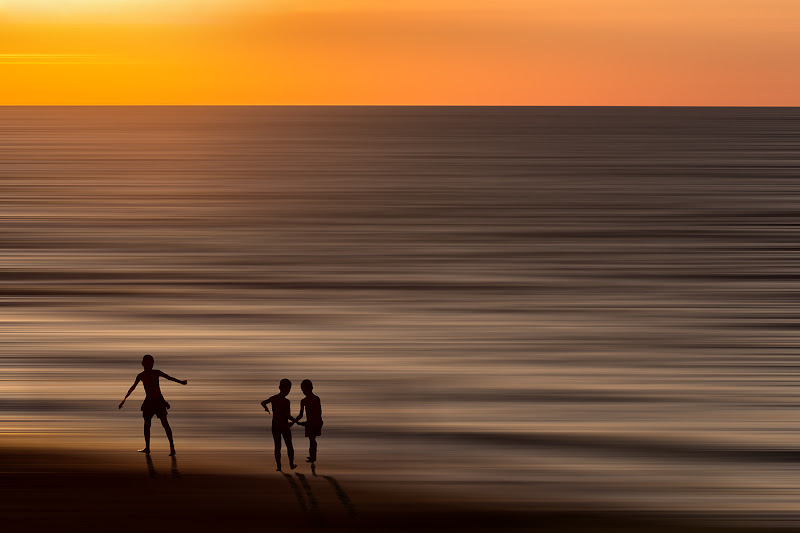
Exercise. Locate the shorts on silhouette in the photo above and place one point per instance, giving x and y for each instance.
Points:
(281, 430)
(313, 429)
(154, 406)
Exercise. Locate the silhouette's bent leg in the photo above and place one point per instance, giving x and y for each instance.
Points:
(312, 448)
(168, 430)
(146, 448)
(289, 448)
(277, 438)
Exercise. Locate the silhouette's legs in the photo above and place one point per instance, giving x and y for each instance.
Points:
(146, 448)
(287, 436)
(312, 449)
(168, 430)
(276, 436)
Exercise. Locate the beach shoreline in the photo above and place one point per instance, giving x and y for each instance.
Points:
(48, 489)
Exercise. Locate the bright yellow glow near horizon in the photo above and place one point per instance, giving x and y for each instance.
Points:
(518, 52)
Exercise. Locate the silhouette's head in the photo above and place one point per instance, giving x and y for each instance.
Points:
(285, 386)
(306, 386)
(148, 362)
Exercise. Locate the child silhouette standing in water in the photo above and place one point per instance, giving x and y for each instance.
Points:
(154, 403)
(281, 427)
(313, 423)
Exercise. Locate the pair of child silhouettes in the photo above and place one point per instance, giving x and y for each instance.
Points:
(155, 404)
(282, 420)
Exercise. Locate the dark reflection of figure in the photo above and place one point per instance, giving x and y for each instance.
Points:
(340, 493)
(175, 473)
(316, 515)
(297, 493)
(151, 469)
(306, 487)
(154, 402)
(281, 427)
(313, 409)
(153, 473)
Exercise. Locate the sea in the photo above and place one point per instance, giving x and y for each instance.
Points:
(595, 307)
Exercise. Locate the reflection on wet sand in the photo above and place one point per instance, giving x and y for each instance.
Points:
(314, 515)
(314, 506)
(309, 504)
(151, 469)
(339, 491)
(297, 493)
(174, 465)
(153, 473)
(39, 490)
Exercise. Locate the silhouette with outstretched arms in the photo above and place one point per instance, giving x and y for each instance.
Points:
(154, 403)
(281, 425)
(313, 424)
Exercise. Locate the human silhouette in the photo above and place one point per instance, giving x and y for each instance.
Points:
(313, 424)
(281, 425)
(154, 403)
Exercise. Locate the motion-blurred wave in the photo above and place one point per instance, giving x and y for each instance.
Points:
(598, 305)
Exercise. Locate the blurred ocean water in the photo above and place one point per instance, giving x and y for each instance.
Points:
(591, 304)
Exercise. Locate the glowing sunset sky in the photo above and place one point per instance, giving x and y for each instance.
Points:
(520, 52)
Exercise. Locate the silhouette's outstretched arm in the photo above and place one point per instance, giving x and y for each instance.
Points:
(138, 379)
(264, 404)
(167, 376)
(302, 408)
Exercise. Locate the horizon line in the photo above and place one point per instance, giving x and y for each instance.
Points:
(595, 106)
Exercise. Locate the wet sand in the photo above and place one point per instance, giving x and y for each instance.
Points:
(46, 490)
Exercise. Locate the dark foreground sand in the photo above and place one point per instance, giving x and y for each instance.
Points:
(63, 491)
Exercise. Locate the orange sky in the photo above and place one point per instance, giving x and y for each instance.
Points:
(506, 52)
